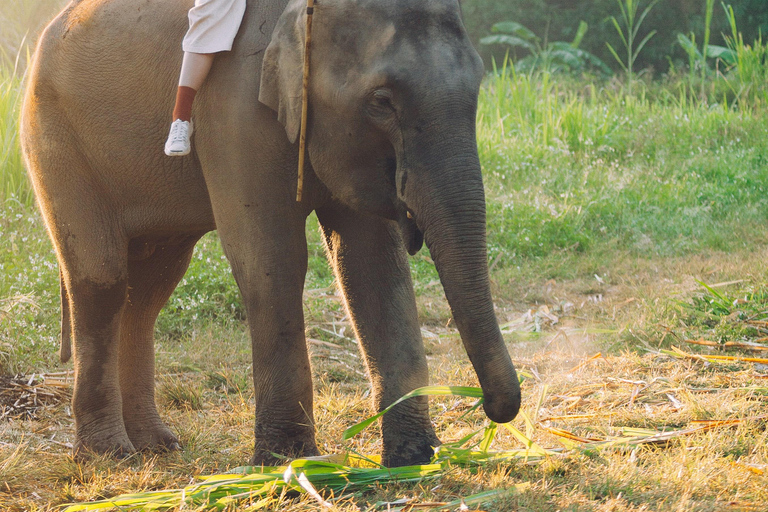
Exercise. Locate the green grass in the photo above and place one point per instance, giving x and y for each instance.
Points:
(29, 297)
(13, 180)
(588, 166)
(723, 318)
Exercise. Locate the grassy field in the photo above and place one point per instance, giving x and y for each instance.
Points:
(620, 226)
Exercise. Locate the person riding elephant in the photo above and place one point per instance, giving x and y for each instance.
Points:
(392, 163)
(213, 26)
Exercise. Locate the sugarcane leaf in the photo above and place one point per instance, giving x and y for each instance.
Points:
(642, 43)
(532, 448)
(465, 391)
(616, 56)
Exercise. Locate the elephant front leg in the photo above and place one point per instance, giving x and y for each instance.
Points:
(371, 265)
(269, 267)
(282, 378)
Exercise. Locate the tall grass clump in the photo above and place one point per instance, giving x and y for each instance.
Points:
(13, 179)
(629, 33)
(541, 110)
(740, 69)
(20, 23)
(697, 59)
(751, 68)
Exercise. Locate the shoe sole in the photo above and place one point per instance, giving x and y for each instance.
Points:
(176, 153)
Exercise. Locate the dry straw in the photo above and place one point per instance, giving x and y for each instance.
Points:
(329, 479)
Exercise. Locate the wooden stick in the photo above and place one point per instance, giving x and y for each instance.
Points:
(304, 100)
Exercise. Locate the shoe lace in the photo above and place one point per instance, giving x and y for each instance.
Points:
(179, 132)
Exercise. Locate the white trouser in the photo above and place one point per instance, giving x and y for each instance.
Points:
(213, 25)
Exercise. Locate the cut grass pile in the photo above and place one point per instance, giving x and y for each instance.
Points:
(258, 488)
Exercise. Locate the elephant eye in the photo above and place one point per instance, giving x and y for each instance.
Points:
(381, 101)
(382, 97)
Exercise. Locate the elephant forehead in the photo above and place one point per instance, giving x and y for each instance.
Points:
(351, 51)
(363, 44)
(375, 46)
(399, 7)
(379, 42)
(363, 26)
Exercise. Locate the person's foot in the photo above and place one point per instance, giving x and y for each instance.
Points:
(178, 143)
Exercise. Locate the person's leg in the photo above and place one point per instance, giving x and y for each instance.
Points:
(194, 70)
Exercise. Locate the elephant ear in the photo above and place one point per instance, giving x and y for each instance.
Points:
(283, 66)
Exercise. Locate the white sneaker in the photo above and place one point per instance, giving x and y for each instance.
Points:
(178, 143)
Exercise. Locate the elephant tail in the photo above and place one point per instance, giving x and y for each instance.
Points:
(65, 352)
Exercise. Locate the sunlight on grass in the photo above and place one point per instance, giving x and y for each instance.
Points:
(336, 475)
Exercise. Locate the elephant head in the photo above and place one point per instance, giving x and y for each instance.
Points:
(391, 131)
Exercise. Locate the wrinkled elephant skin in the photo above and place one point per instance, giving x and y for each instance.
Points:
(392, 163)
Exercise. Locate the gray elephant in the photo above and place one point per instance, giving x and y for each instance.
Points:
(392, 161)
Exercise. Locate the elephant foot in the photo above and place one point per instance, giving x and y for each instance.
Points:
(267, 457)
(273, 446)
(154, 437)
(116, 445)
(408, 437)
(409, 451)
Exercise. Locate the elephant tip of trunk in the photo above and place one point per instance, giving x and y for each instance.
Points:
(503, 407)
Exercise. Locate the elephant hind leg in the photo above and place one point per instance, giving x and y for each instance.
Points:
(93, 263)
(154, 270)
(84, 223)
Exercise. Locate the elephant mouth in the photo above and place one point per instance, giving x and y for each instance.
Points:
(412, 236)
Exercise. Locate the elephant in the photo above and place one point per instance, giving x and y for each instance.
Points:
(392, 163)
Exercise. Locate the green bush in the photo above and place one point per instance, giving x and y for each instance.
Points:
(558, 20)
(554, 57)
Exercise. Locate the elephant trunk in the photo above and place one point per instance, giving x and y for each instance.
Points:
(449, 207)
